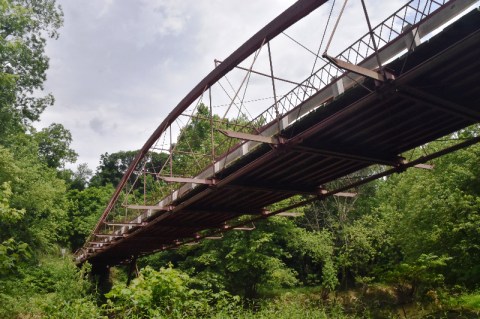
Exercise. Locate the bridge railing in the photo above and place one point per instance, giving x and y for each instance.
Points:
(400, 22)
(392, 27)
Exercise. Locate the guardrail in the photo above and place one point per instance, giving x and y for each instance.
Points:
(402, 21)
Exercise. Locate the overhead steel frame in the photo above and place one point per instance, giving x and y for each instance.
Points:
(293, 14)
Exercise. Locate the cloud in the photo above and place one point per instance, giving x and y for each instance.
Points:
(97, 126)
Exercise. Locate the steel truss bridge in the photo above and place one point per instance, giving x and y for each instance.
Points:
(350, 121)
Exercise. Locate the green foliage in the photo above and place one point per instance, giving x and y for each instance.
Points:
(54, 146)
(470, 301)
(193, 150)
(12, 255)
(8, 171)
(319, 246)
(415, 279)
(291, 304)
(366, 247)
(32, 198)
(113, 166)
(244, 261)
(84, 209)
(8, 215)
(166, 293)
(53, 288)
(23, 27)
(78, 179)
(437, 212)
(41, 195)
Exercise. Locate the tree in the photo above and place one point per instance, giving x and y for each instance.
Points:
(84, 210)
(24, 26)
(77, 179)
(243, 262)
(54, 146)
(317, 246)
(113, 166)
(81, 177)
(193, 149)
(437, 212)
(167, 293)
(36, 190)
(12, 253)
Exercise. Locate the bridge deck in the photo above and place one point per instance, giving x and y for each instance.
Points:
(436, 94)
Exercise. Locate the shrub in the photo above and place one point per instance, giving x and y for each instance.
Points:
(166, 293)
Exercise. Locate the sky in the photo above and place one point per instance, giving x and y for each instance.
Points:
(119, 67)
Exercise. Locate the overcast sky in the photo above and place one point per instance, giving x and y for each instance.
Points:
(120, 66)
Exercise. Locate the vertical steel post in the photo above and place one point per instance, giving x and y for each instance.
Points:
(144, 185)
(211, 130)
(372, 36)
(273, 86)
(171, 151)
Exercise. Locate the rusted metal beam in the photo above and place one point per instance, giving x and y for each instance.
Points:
(323, 191)
(244, 228)
(355, 68)
(170, 179)
(110, 235)
(373, 177)
(289, 214)
(149, 207)
(152, 239)
(126, 224)
(420, 160)
(372, 38)
(214, 237)
(345, 194)
(424, 166)
(250, 137)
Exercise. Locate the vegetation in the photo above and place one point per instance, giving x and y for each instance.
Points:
(408, 246)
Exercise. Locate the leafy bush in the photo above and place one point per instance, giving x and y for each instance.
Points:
(166, 293)
(54, 288)
(416, 278)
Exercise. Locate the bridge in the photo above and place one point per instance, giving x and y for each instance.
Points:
(225, 157)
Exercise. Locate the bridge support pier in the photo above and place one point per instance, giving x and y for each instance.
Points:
(101, 277)
(132, 271)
